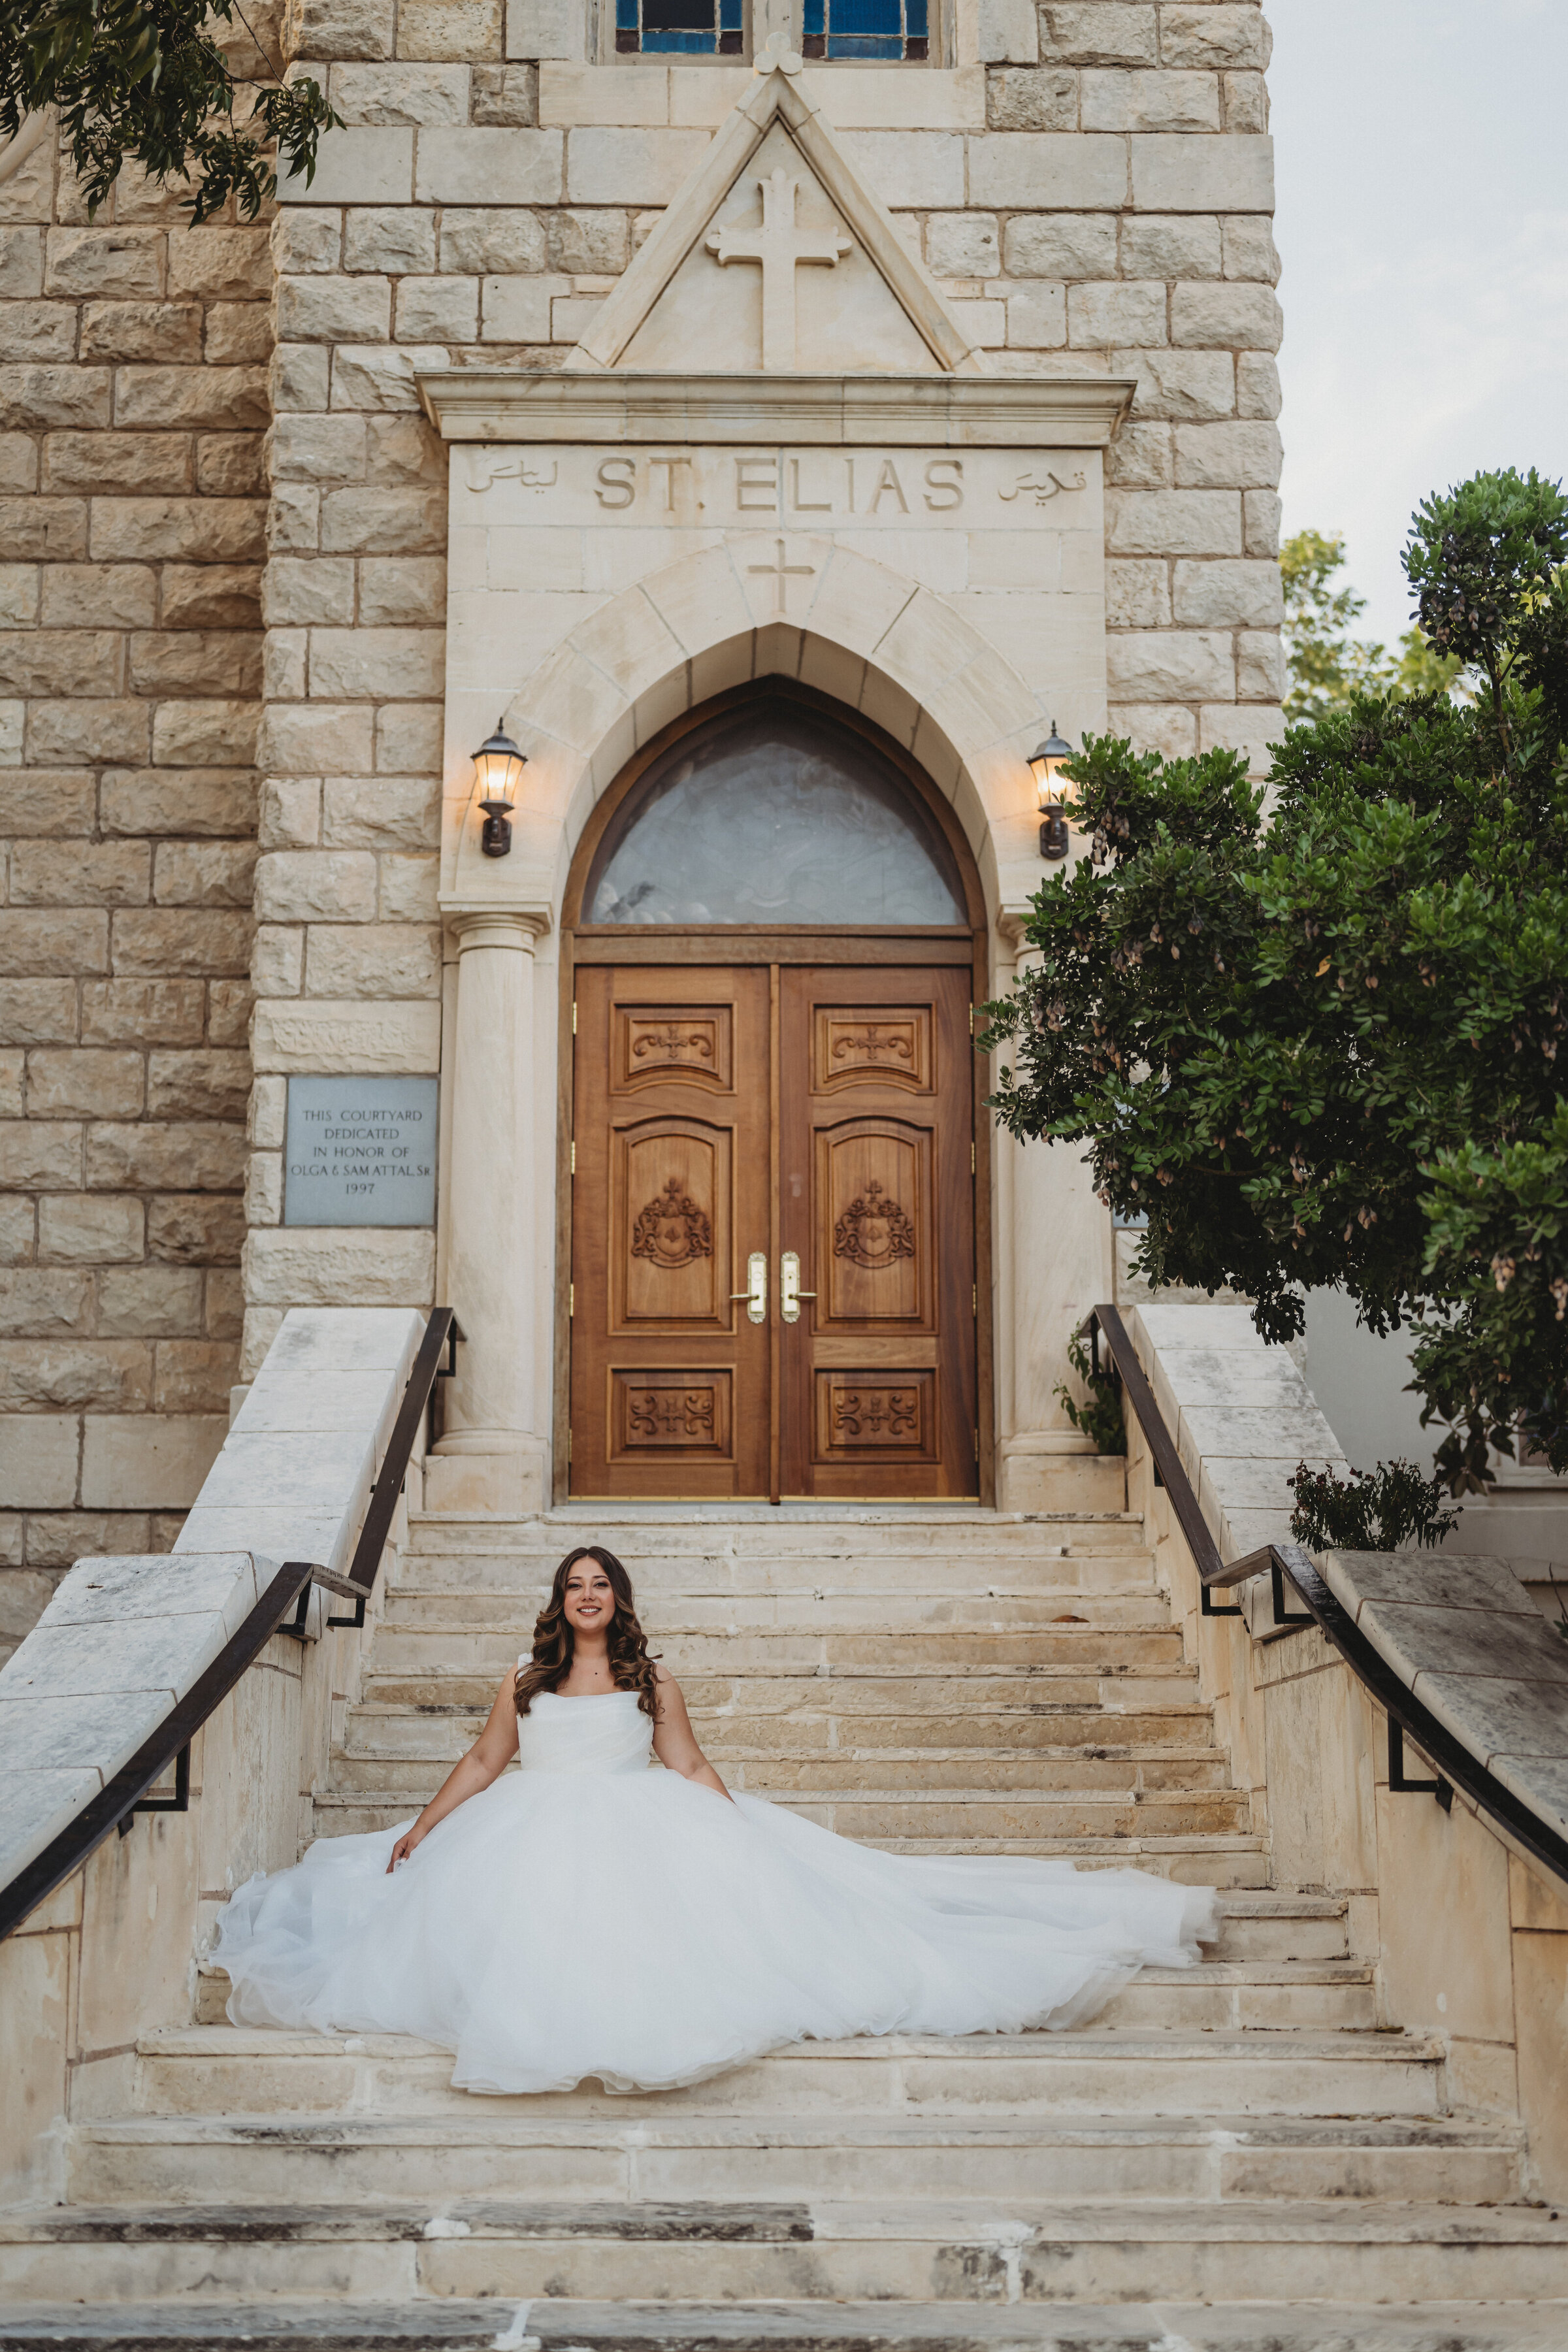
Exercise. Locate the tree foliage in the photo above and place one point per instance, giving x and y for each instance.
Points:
(176, 88)
(1327, 666)
(1324, 1047)
(1372, 1510)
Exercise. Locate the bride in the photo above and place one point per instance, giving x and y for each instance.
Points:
(588, 1917)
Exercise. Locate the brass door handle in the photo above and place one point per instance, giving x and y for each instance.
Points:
(755, 1294)
(790, 1292)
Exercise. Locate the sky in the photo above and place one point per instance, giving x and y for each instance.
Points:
(1422, 162)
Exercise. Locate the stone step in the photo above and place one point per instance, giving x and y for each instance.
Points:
(435, 2162)
(450, 2325)
(219, 2074)
(676, 1617)
(938, 2250)
(874, 1816)
(678, 1531)
(760, 1575)
(1264, 1996)
(842, 1692)
(377, 1757)
(819, 1726)
(935, 1651)
(1212, 1858)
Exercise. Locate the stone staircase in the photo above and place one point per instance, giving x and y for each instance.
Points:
(1242, 2157)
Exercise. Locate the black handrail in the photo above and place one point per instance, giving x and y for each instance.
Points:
(1454, 1763)
(126, 1793)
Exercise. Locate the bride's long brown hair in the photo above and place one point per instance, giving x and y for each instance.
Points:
(555, 1642)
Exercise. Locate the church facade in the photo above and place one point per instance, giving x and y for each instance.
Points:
(771, 422)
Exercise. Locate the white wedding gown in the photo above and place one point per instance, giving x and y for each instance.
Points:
(587, 1916)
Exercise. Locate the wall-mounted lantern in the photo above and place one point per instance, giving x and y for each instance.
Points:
(498, 765)
(1045, 766)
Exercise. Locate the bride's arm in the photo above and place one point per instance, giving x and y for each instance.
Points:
(675, 1742)
(488, 1756)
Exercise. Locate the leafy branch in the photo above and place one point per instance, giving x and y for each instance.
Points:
(147, 82)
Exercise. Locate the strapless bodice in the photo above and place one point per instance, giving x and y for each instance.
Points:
(607, 1734)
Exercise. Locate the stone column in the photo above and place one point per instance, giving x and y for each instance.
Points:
(490, 1456)
(1059, 1244)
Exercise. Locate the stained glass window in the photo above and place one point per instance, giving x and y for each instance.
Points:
(769, 815)
(701, 28)
(865, 28)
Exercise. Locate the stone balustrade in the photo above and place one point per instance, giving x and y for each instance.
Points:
(1470, 1934)
(109, 1954)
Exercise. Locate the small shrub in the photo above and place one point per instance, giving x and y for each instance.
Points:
(1100, 1416)
(1374, 1510)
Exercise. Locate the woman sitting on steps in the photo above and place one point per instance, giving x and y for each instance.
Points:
(588, 1917)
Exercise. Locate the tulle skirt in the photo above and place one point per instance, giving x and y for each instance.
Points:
(636, 1930)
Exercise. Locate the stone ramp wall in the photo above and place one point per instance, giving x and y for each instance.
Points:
(1470, 1937)
(132, 402)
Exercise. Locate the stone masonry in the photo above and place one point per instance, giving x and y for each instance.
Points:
(133, 403)
(1091, 183)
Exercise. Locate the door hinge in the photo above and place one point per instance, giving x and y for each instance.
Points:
(973, 1169)
(977, 1437)
(974, 1299)
(574, 1016)
(573, 1155)
(569, 1445)
(570, 1300)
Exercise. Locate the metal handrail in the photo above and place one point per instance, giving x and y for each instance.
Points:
(1407, 1717)
(126, 1793)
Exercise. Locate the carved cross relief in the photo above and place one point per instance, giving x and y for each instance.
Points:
(780, 246)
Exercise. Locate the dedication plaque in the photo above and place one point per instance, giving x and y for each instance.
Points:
(359, 1151)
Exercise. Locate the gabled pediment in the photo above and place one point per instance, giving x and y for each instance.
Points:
(778, 257)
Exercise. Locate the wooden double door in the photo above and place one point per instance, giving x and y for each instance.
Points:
(773, 1279)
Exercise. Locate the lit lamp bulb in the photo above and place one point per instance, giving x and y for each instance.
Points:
(499, 764)
(1045, 766)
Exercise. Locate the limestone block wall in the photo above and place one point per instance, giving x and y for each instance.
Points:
(132, 405)
(1091, 183)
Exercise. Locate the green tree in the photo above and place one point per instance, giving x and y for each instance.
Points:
(1327, 666)
(183, 89)
(1322, 1049)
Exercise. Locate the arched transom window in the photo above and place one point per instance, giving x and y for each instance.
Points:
(769, 815)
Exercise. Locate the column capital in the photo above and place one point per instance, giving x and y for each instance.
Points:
(516, 928)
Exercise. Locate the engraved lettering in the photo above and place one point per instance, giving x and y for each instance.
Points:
(757, 474)
(618, 480)
(805, 506)
(942, 496)
(1044, 487)
(887, 482)
(669, 465)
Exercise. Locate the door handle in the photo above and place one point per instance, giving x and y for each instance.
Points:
(790, 1292)
(756, 1291)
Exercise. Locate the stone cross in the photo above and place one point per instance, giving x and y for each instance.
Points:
(780, 246)
(780, 574)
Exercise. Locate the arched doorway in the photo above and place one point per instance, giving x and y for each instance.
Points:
(771, 937)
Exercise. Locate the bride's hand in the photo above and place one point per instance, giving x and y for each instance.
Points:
(405, 1847)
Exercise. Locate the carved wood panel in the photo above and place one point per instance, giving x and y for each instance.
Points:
(684, 1415)
(652, 1043)
(865, 1414)
(670, 1222)
(876, 1246)
(879, 1378)
(670, 1390)
(897, 1048)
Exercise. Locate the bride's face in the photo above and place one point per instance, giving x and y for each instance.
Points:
(589, 1598)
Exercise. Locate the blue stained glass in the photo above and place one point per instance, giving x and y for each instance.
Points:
(885, 29)
(865, 28)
